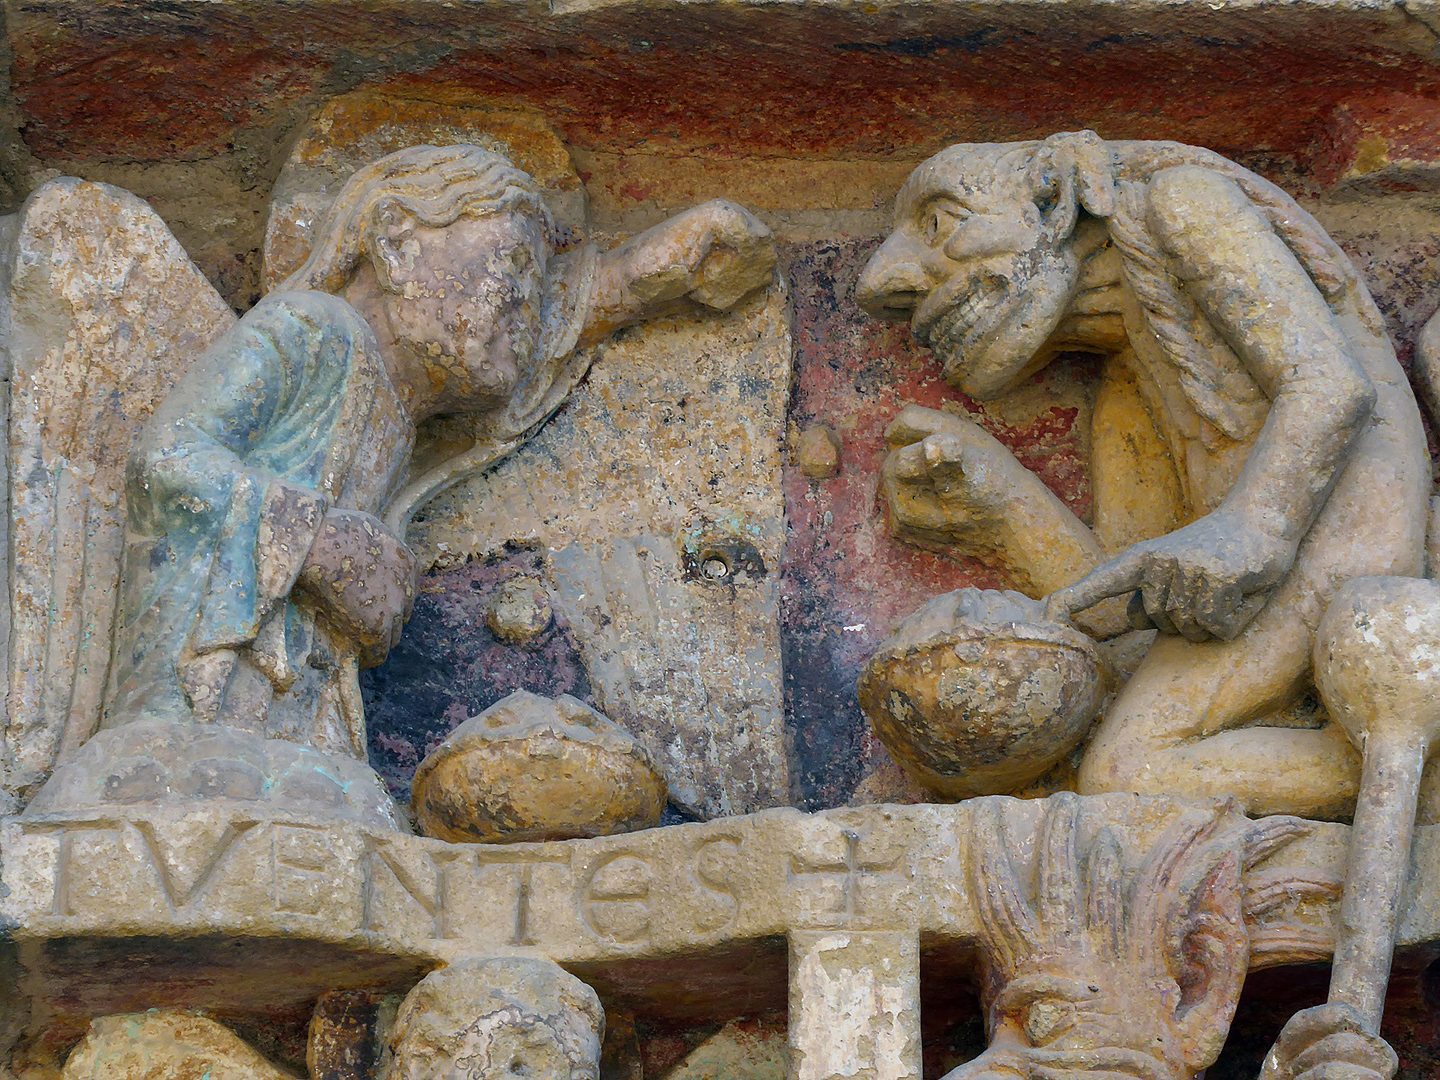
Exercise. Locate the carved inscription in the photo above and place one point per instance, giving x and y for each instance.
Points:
(458, 892)
(401, 886)
(507, 881)
(615, 900)
(181, 896)
(842, 882)
(522, 906)
(426, 885)
(301, 868)
(65, 856)
(81, 846)
(393, 888)
(713, 870)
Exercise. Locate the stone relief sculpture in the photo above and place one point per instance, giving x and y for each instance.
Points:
(533, 768)
(495, 1018)
(481, 1019)
(258, 573)
(1264, 368)
(1250, 344)
(1104, 968)
(265, 561)
(666, 457)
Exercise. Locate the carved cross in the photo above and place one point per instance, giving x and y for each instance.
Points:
(851, 871)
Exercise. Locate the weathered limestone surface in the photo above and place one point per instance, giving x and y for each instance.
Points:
(1283, 412)
(1377, 665)
(106, 311)
(646, 92)
(974, 695)
(359, 128)
(656, 490)
(656, 495)
(529, 768)
(498, 1016)
(321, 906)
(739, 1051)
(813, 113)
(854, 1005)
(682, 889)
(164, 1043)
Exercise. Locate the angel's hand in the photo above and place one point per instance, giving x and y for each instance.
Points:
(737, 253)
(1328, 1042)
(714, 253)
(364, 575)
(1207, 580)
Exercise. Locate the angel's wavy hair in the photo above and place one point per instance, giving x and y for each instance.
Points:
(437, 184)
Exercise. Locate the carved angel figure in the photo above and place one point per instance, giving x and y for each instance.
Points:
(266, 498)
(1248, 373)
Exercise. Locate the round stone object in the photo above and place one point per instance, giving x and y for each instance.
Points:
(1377, 659)
(979, 694)
(519, 611)
(534, 768)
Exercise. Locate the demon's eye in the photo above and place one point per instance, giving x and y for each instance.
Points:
(1046, 1019)
(939, 219)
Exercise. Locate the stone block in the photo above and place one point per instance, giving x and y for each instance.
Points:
(656, 492)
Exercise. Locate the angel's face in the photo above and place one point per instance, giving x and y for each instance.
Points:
(466, 302)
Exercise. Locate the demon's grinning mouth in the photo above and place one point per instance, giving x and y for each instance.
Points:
(946, 333)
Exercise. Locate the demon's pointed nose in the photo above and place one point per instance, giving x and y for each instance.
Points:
(894, 280)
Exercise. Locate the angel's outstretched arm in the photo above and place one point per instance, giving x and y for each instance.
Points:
(714, 253)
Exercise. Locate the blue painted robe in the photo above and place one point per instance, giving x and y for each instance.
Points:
(289, 414)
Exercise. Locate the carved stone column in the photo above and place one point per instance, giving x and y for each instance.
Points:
(854, 1005)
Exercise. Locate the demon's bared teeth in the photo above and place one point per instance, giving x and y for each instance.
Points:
(951, 327)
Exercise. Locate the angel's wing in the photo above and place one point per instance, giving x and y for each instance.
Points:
(1427, 387)
(103, 311)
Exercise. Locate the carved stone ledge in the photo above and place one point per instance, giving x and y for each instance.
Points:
(632, 912)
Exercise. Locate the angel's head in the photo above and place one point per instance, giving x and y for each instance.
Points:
(457, 239)
(499, 1019)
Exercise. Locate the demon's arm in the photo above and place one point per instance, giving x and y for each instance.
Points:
(1210, 578)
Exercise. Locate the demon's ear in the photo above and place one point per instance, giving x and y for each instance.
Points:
(1071, 171)
(1209, 953)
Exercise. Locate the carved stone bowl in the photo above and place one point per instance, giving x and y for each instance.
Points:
(531, 768)
(978, 694)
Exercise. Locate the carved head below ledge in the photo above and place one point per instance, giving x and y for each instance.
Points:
(1094, 969)
(509, 1018)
